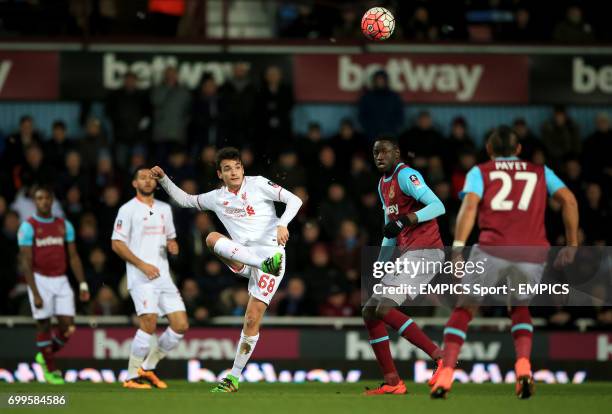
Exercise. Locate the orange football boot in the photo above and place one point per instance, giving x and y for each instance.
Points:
(525, 386)
(384, 388)
(436, 372)
(150, 376)
(137, 384)
(443, 383)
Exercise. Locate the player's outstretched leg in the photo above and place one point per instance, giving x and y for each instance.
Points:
(235, 252)
(379, 339)
(454, 336)
(246, 345)
(522, 333)
(45, 357)
(140, 349)
(166, 343)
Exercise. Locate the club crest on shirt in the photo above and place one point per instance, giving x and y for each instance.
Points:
(392, 191)
(415, 180)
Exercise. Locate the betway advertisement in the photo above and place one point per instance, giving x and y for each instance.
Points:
(92, 75)
(29, 75)
(427, 78)
(576, 79)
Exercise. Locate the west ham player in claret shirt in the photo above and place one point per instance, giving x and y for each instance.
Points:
(509, 197)
(255, 248)
(46, 245)
(411, 209)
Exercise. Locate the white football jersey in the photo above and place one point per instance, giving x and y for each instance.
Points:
(249, 216)
(146, 231)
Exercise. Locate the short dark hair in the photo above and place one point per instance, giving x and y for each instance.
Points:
(59, 124)
(25, 118)
(227, 153)
(137, 170)
(390, 139)
(42, 187)
(504, 141)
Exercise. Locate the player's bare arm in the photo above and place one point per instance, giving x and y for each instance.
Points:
(25, 254)
(569, 212)
(124, 252)
(173, 247)
(77, 269)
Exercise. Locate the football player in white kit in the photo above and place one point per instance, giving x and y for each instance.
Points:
(143, 236)
(255, 248)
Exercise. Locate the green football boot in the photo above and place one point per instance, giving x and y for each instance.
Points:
(54, 377)
(273, 264)
(227, 384)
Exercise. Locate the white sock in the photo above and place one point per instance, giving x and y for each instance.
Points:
(231, 250)
(140, 349)
(166, 343)
(246, 346)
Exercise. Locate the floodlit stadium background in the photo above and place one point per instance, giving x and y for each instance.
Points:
(289, 83)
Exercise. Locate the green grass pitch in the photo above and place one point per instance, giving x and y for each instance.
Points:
(185, 398)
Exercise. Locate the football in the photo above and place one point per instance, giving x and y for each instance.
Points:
(377, 23)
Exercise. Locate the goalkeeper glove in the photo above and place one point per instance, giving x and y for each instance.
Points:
(394, 228)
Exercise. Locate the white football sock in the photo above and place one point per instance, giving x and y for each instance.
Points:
(231, 250)
(140, 349)
(246, 346)
(166, 343)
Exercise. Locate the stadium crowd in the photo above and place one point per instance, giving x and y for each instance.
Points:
(423, 20)
(334, 176)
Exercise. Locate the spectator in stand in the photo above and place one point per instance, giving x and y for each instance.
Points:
(194, 301)
(273, 105)
(305, 25)
(35, 170)
(105, 303)
(58, 146)
(287, 172)
(98, 273)
(326, 174)
(178, 166)
(466, 161)
(239, 94)
(446, 222)
(194, 253)
(370, 219)
(422, 140)
(298, 253)
(337, 304)
(347, 143)
(92, 144)
(9, 252)
(350, 26)
(309, 146)
(73, 175)
(347, 250)
(164, 16)
(128, 110)
(15, 145)
(522, 29)
(571, 174)
(560, 137)
(207, 116)
(381, 110)
(459, 142)
(573, 29)
(320, 274)
(106, 173)
(106, 211)
(362, 179)
(295, 302)
(529, 142)
(597, 149)
(171, 104)
(596, 216)
(334, 209)
(420, 27)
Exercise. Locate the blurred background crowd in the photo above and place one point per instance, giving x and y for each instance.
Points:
(181, 130)
(569, 21)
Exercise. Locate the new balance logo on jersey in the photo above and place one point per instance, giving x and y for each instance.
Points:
(49, 241)
(392, 209)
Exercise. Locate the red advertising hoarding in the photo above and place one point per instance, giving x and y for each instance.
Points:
(423, 78)
(29, 75)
